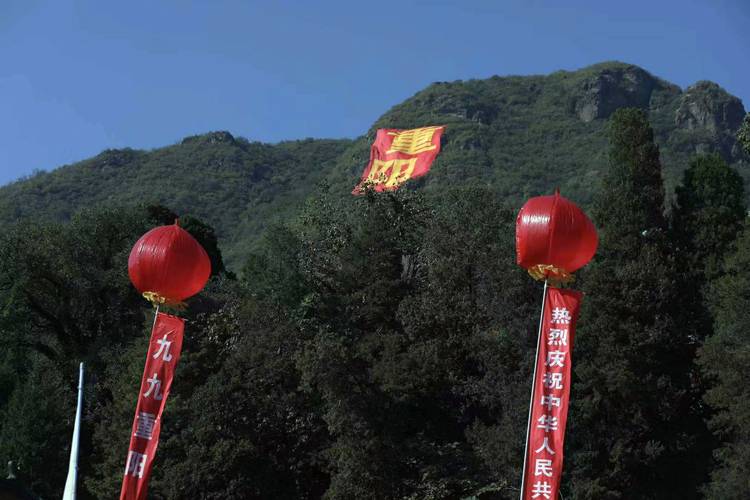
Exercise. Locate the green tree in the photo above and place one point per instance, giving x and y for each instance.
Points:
(36, 426)
(66, 293)
(416, 325)
(111, 417)
(248, 431)
(708, 213)
(273, 271)
(351, 260)
(205, 235)
(724, 359)
(634, 419)
(475, 305)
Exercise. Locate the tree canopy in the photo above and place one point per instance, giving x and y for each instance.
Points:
(381, 346)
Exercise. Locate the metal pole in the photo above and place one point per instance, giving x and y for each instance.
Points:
(533, 387)
(70, 484)
(156, 315)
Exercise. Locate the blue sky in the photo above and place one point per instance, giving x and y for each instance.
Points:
(77, 77)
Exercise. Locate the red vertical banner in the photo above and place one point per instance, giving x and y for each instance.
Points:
(163, 354)
(551, 392)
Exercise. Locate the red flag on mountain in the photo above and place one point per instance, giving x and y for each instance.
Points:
(399, 155)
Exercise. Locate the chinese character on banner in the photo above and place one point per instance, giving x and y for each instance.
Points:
(144, 425)
(549, 409)
(163, 354)
(399, 155)
(135, 464)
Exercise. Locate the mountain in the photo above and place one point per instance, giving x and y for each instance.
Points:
(235, 185)
(525, 135)
(522, 135)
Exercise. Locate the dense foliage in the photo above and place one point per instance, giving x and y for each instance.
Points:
(724, 358)
(637, 426)
(381, 347)
(708, 213)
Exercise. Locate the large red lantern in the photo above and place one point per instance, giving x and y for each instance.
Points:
(554, 238)
(167, 265)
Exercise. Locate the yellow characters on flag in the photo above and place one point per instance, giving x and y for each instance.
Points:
(414, 141)
(399, 155)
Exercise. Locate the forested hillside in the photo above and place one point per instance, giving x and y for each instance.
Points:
(521, 136)
(236, 185)
(381, 346)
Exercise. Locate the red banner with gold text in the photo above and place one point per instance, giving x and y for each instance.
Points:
(163, 354)
(399, 155)
(549, 403)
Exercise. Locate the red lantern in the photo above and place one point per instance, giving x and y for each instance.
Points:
(554, 238)
(167, 265)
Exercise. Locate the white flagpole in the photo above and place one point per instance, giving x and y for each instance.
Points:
(70, 483)
(533, 387)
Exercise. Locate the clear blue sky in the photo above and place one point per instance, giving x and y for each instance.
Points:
(79, 77)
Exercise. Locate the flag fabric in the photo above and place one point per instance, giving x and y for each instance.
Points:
(163, 354)
(69, 493)
(399, 155)
(549, 405)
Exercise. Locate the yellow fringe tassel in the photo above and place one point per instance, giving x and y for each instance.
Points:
(157, 299)
(555, 275)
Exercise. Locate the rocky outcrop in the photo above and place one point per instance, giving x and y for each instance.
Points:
(613, 88)
(114, 158)
(221, 137)
(458, 102)
(705, 105)
(711, 112)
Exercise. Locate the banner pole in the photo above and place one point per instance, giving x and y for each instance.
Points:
(71, 483)
(533, 387)
(156, 315)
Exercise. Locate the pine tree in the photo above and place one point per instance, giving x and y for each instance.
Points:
(724, 359)
(708, 214)
(633, 417)
(35, 430)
